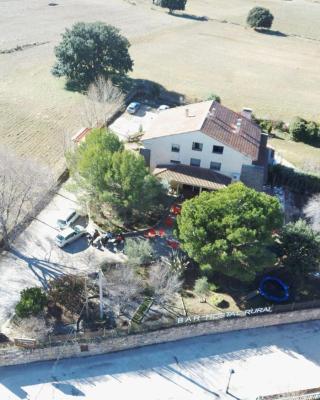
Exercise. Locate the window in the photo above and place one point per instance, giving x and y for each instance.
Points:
(197, 146)
(174, 162)
(175, 148)
(216, 166)
(217, 149)
(195, 162)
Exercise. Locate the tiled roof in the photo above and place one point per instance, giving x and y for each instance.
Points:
(80, 135)
(221, 124)
(193, 176)
(212, 119)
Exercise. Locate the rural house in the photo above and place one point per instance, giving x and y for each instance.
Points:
(206, 146)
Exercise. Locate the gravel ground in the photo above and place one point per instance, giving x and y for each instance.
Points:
(35, 258)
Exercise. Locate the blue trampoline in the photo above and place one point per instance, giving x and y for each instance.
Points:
(278, 285)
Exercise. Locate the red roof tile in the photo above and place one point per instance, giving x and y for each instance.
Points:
(221, 124)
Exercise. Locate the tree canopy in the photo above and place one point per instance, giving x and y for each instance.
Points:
(260, 17)
(173, 4)
(110, 174)
(89, 50)
(228, 230)
(300, 245)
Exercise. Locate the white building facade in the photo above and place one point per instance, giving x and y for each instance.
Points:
(196, 149)
(207, 136)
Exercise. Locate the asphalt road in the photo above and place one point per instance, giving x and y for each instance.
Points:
(265, 361)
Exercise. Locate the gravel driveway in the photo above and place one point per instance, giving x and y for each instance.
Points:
(35, 258)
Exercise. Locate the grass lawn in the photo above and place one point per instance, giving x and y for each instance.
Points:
(297, 153)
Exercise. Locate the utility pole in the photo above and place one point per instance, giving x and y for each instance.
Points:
(100, 294)
(231, 372)
(86, 295)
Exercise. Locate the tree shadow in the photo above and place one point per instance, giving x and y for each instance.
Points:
(190, 16)
(68, 389)
(44, 270)
(270, 32)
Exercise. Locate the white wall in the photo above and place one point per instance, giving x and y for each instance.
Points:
(231, 160)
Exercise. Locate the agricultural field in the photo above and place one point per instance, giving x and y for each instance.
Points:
(276, 74)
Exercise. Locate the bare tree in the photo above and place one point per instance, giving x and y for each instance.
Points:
(165, 283)
(122, 286)
(312, 212)
(24, 189)
(102, 101)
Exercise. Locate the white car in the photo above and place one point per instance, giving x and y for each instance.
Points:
(67, 219)
(163, 107)
(69, 235)
(133, 107)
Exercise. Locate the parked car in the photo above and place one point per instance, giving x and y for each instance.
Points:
(69, 235)
(133, 107)
(163, 107)
(67, 219)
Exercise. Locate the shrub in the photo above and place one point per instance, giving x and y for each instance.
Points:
(305, 131)
(138, 251)
(214, 97)
(202, 287)
(32, 302)
(260, 17)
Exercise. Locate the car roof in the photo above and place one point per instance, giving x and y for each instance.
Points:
(134, 103)
(66, 213)
(66, 232)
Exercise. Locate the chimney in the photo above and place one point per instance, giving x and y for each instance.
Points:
(187, 112)
(247, 113)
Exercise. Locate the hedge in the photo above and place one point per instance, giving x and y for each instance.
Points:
(297, 181)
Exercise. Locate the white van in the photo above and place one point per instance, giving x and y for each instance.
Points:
(67, 219)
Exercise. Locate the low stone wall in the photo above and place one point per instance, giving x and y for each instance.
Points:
(14, 356)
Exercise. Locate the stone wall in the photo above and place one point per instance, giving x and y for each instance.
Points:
(14, 356)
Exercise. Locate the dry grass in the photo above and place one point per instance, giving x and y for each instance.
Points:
(277, 76)
(297, 153)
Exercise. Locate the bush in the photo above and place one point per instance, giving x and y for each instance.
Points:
(214, 97)
(32, 302)
(202, 287)
(173, 4)
(138, 251)
(260, 17)
(267, 125)
(305, 131)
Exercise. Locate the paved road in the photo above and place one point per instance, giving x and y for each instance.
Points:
(35, 258)
(265, 361)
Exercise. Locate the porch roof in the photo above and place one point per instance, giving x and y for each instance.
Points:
(193, 176)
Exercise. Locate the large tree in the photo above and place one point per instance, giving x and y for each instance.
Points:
(228, 230)
(260, 17)
(89, 50)
(115, 176)
(300, 245)
(173, 4)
